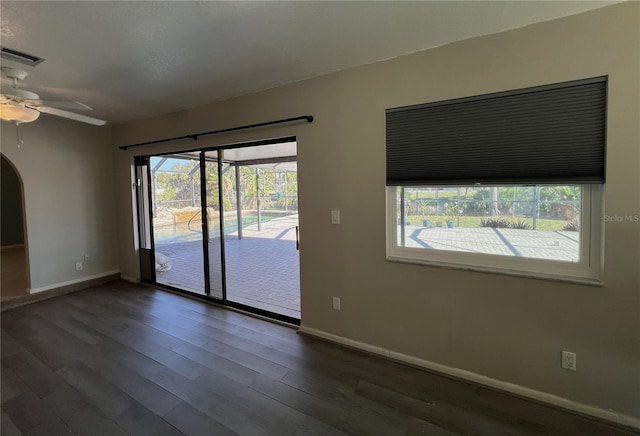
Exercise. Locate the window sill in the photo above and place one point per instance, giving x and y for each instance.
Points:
(501, 271)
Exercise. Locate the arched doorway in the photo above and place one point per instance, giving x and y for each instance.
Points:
(14, 275)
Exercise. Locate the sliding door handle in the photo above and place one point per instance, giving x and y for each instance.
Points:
(298, 238)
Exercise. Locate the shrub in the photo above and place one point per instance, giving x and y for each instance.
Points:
(573, 226)
(501, 223)
(495, 223)
(521, 224)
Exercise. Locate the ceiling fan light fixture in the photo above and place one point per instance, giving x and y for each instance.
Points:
(18, 113)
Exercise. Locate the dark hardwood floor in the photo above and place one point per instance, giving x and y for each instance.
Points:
(122, 359)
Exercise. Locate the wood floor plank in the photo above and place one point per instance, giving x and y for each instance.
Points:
(322, 410)
(7, 427)
(8, 345)
(61, 317)
(427, 387)
(192, 422)
(218, 330)
(275, 355)
(14, 325)
(442, 414)
(45, 351)
(344, 395)
(124, 359)
(139, 388)
(129, 348)
(111, 400)
(237, 418)
(140, 422)
(279, 414)
(104, 325)
(82, 417)
(115, 403)
(130, 358)
(106, 390)
(166, 357)
(292, 343)
(231, 369)
(231, 317)
(424, 386)
(11, 385)
(249, 360)
(190, 309)
(222, 342)
(40, 379)
(418, 427)
(32, 416)
(326, 388)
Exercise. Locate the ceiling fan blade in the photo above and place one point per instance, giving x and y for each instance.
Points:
(70, 115)
(61, 104)
(17, 93)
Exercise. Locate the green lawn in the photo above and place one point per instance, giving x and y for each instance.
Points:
(431, 195)
(474, 221)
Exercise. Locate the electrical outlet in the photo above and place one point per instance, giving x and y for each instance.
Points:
(569, 360)
(78, 266)
(335, 216)
(87, 258)
(336, 303)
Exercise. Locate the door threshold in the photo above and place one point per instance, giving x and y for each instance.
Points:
(253, 312)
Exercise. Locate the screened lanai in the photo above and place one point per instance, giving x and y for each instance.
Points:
(225, 224)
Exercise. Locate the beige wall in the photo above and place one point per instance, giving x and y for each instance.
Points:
(506, 328)
(67, 174)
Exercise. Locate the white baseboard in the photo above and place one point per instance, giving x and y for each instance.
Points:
(522, 391)
(130, 279)
(73, 282)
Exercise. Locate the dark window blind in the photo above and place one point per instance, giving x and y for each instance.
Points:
(547, 134)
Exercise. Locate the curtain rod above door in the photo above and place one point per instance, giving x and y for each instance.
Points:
(195, 136)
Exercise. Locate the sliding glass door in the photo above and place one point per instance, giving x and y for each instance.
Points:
(224, 224)
(261, 252)
(177, 222)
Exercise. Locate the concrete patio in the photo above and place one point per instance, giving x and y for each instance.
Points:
(262, 268)
(537, 244)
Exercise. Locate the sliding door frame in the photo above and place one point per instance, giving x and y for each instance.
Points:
(205, 225)
(139, 163)
(142, 160)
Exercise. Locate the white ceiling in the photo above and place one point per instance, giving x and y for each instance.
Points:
(135, 60)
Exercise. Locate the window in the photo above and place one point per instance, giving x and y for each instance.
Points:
(508, 182)
(533, 230)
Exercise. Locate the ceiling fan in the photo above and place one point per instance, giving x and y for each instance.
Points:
(21, 106)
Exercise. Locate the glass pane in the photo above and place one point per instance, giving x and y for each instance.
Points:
(213, 221)
(261, 216)
(177, 221)
(541, 222)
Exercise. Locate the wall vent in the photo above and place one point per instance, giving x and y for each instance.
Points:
(17, 56)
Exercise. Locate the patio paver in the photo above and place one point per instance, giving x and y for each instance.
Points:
(262, 268)
(539, 244)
